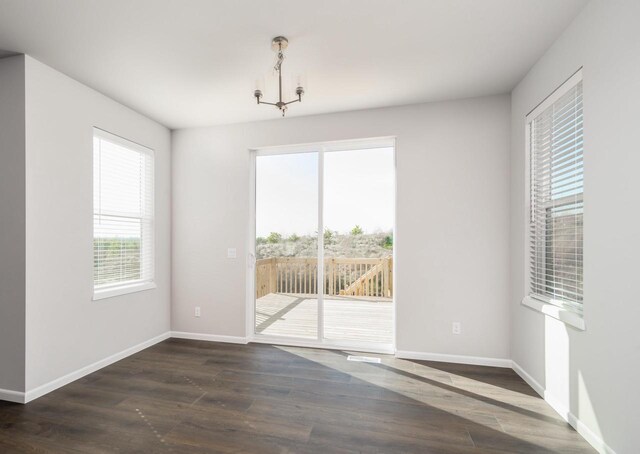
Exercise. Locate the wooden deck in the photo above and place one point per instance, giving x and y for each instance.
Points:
(366, 319)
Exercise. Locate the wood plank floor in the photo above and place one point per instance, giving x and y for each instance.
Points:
(202, 397)
(364, 319)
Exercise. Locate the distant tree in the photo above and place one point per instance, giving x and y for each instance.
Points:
(261, 240)
(294, 237)
(274, 237)
(387, 243)
(357, 230)
(329, 236)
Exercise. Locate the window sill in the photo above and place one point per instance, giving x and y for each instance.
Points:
(125, 289)
(566, 316)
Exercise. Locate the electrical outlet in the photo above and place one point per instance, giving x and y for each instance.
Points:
(232, 253)
(197, 312)
(457, 328)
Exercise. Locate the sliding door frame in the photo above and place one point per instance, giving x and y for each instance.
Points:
(320, 342)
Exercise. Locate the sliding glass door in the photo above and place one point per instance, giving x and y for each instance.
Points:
(331, 205)
(358, 245)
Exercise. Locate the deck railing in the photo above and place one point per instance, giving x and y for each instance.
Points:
(342, 276)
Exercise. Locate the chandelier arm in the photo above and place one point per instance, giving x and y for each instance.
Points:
(291, 102)
(268, 103)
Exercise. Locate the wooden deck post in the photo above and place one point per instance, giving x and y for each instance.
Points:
(330, 275)
(390, 274)
(273, 276)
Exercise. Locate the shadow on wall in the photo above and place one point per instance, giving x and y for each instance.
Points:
(581, 405)
(565, 380)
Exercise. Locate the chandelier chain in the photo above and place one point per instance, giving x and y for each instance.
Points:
(278, 65)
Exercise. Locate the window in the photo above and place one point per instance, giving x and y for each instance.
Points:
(555, 136)
(123, 225)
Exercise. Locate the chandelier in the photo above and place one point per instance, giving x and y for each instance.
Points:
(279, 44)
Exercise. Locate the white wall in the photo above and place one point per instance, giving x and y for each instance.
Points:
(592, 374)
(452, 219)
(12, 219)
(65, 329)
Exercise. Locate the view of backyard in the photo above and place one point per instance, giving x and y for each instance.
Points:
(115, 260)
(358, 285)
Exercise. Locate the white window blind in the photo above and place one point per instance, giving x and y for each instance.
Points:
(556, 205)
(123, 222)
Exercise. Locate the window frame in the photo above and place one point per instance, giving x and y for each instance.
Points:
(567, 312)
(133, 286)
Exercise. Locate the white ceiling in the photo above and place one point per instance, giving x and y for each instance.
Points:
(191, 63)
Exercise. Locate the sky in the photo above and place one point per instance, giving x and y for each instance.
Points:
(359, 189)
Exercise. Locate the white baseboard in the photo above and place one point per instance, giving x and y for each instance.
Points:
(459, 359)
(209, 337)
(12, 396)
(537, 387)
(594, 440)
(66, 379)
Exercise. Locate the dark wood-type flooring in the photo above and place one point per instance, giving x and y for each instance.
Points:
(202, 397)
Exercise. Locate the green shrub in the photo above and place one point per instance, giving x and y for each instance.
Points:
(387, 243)
(274, 237)
(294, 238)
(357, 230)
(329, 236)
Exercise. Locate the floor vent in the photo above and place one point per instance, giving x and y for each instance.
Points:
(363, 359)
